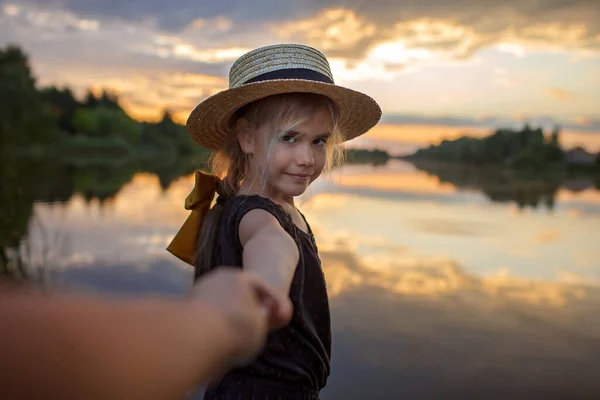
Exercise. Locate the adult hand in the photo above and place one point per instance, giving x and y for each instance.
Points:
(249, 305)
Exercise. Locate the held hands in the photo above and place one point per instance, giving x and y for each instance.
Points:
(249, 306)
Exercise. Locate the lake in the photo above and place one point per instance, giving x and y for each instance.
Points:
(444, 283)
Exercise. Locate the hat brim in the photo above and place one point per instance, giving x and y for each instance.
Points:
(209, 122)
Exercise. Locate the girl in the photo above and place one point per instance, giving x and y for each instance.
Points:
(274, 131)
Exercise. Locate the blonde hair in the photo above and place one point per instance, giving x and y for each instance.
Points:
(277, 114)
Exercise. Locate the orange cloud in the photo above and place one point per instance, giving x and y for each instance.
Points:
(560, 94)
(590, 141)
(589, 196)
(584, 120)
(345, 271)
(332, 30)
(145, 98)
(423, 134)
(548, 236)
(445, 31)
(396, 181)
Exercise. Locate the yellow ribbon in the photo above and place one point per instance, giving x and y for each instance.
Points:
(185, 242)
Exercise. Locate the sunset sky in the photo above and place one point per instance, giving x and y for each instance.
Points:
(438, 68)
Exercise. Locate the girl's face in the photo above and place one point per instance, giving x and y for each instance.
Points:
(294, 160)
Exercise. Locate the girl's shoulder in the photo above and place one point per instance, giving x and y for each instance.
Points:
(240, 205)
(237, 207)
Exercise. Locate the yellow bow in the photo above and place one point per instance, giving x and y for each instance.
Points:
(184, 244)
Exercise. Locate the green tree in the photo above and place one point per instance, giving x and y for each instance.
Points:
(63, 106)
(91, 101)
(169, 137)
(526, 150)
(552, 151)
(109, 100)
(102, 122)
(24, 120)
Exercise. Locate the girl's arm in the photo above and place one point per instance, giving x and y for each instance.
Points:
(269, 250)
(73, 346)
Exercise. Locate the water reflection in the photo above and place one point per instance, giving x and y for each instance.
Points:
(504, 186)
(161, 275)
(29, 181)
(437, 289)
(390, 346)
(41, 181)
(429, 330)
(379, 210)
(485, 240)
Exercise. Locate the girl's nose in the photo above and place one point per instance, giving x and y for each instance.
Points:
(305, 157)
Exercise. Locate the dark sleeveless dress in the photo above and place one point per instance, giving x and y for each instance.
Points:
(295, 362)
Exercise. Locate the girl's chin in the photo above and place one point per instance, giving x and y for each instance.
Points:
(293, 190)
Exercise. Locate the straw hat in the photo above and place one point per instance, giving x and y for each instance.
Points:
(277, 69)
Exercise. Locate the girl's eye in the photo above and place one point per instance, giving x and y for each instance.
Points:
(288, 139)
(321, 142)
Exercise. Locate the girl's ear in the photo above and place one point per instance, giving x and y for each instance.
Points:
(245, 135)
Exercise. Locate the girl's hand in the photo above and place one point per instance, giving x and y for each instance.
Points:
(250, 308)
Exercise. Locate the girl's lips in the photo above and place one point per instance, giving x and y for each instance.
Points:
(299, 177)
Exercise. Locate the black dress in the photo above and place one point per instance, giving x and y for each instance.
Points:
(295, 361)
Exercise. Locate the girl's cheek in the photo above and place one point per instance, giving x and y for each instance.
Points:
(322, 157)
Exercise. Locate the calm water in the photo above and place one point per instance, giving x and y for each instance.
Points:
(443, 284)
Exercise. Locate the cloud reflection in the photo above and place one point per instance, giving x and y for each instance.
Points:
(427, 329)
(444, 279)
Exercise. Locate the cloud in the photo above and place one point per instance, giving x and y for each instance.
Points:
(548, 236)
(178, 92)
(175, 16)
(458, 30)
(580, 124)
(64, 38)
(352, 29)
(337, 31)
(411, 119)
(560, 94)
(84, 42)
(178, 48)
(51, 20)
(158, 276)
(453, 227)
(397, 182)
(444, 279)
(415, 338)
